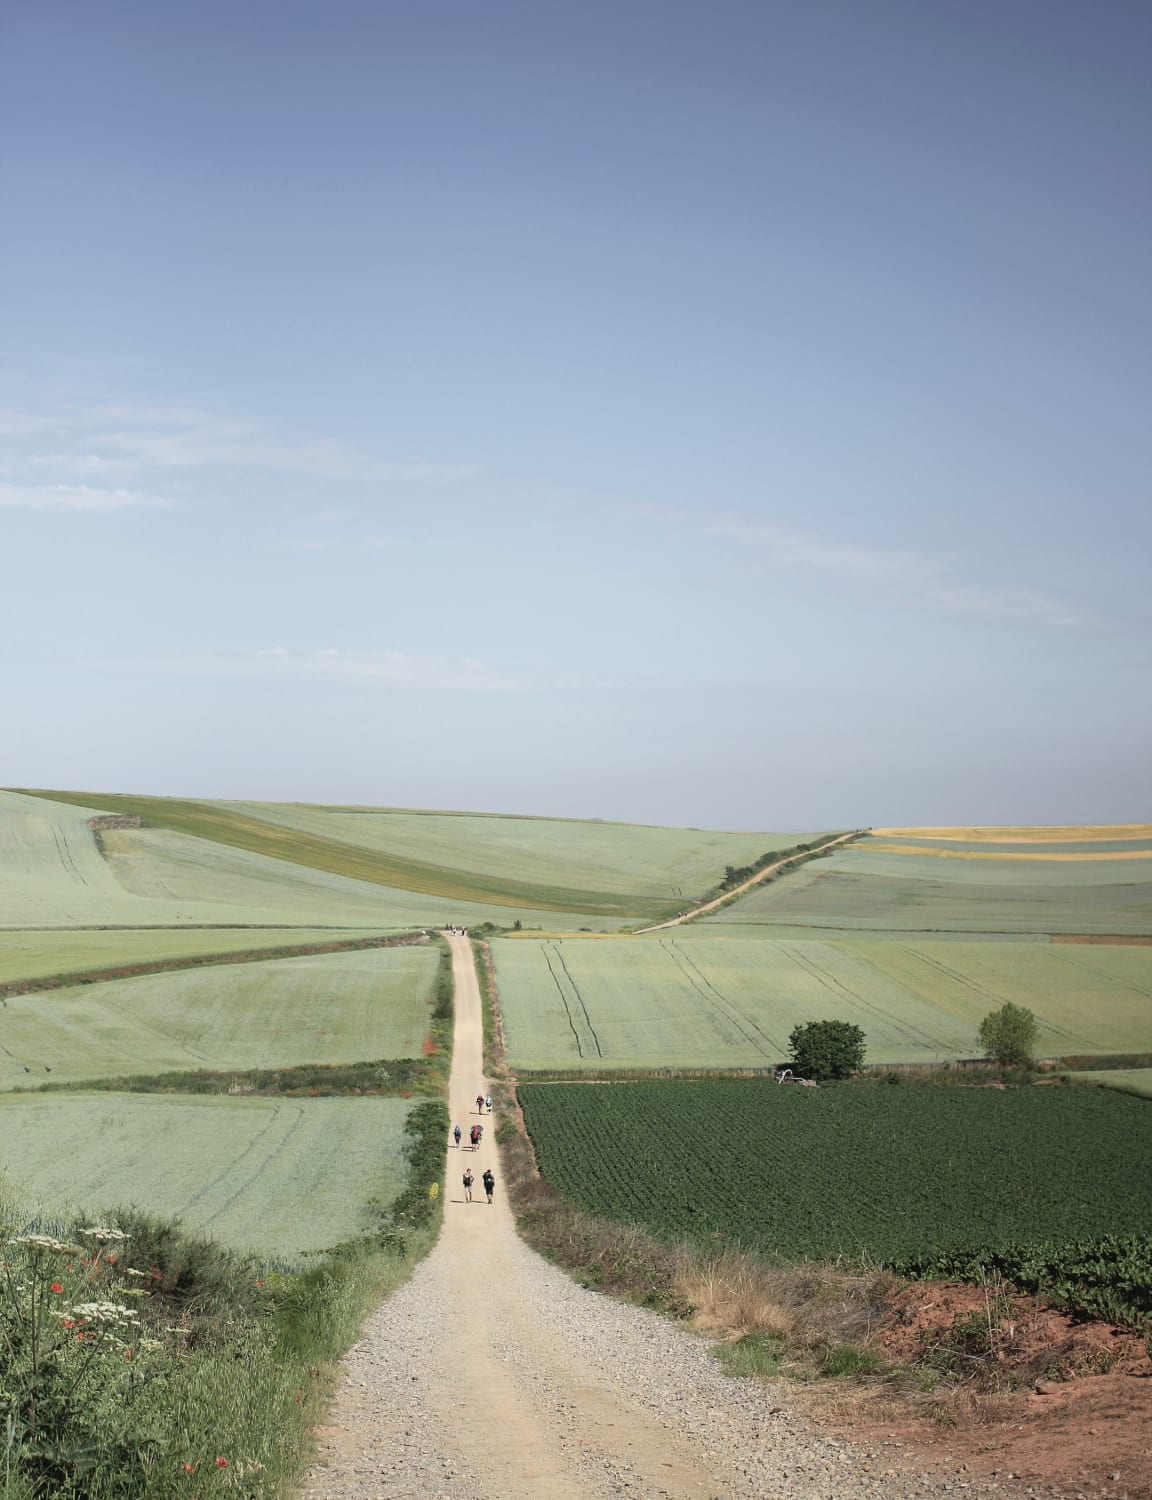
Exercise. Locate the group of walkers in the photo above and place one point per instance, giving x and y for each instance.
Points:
(458, 931)
(475, 1134)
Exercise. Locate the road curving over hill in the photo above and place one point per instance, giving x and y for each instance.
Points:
(491, 1375)
(749, 884)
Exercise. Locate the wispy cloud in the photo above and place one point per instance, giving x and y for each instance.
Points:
(133, 438)
(916, 577)
(393, 670)
(78, 497)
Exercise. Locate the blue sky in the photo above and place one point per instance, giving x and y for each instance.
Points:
(729, 414)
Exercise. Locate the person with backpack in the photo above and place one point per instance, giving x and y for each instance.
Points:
(479, 1104)
(468, 1181)
(489, 1181)
(456, 1137)
(488, 1103)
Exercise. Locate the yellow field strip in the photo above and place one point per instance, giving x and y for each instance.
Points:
(1090, 833)
(881, 848)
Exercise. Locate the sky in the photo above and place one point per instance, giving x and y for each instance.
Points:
(719, 414)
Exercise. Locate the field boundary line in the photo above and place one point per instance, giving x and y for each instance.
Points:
(35, 986)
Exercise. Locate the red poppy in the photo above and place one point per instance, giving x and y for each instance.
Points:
(221, 1463)
(56, 1287)
(190, 1468)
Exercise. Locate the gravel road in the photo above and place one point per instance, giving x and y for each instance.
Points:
(492, 1376)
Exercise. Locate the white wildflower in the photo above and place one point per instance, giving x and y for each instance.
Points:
(106, 1314)
(46, 1243)
(102, 1235)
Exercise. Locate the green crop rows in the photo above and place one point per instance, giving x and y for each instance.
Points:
(883, 1173)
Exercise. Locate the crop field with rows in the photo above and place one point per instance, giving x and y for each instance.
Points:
(883, 1173)
(338, 1007)
(280, 1176)
(678, 1000)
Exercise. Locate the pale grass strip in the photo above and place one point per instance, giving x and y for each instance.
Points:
(1088, 833)
(881, 848)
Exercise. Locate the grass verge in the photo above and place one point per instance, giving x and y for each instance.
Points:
(141, 1363)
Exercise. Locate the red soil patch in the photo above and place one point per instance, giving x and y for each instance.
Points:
(1077, 1416)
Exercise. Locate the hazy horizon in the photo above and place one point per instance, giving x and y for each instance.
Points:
(730, 416)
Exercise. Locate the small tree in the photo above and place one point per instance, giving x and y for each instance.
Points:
(1009, 1035)
(827, 1049)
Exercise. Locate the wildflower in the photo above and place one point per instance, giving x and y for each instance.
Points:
(221, 1463)
(44, 1243)
(103, 1235)
(56, 1287)
(107, 1314)
(190, 1468)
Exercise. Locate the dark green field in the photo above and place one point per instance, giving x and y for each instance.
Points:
(881, 1173)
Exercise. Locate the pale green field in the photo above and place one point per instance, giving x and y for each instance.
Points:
(162, 865)
(612, 859)
(681, 1001)
(1127, 1080)
(52, 875)
(862, 888)
(278, 1176)
(330, 1008)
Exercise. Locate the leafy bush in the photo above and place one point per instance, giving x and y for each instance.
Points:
(1009, 1035)
(827, 1049)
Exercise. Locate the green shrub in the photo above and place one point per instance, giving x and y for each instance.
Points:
(1009, 1035)
(827, 1049)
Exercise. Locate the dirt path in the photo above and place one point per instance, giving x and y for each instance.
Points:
(490, 1375)
(738, 890)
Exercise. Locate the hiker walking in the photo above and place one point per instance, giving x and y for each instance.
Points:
(474, 1136)
(468, 1181)
(488, 1103)
(456, 1136)
(489, 1181)
(479, 1104)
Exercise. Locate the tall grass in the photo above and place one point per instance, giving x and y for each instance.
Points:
(233, 1361)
